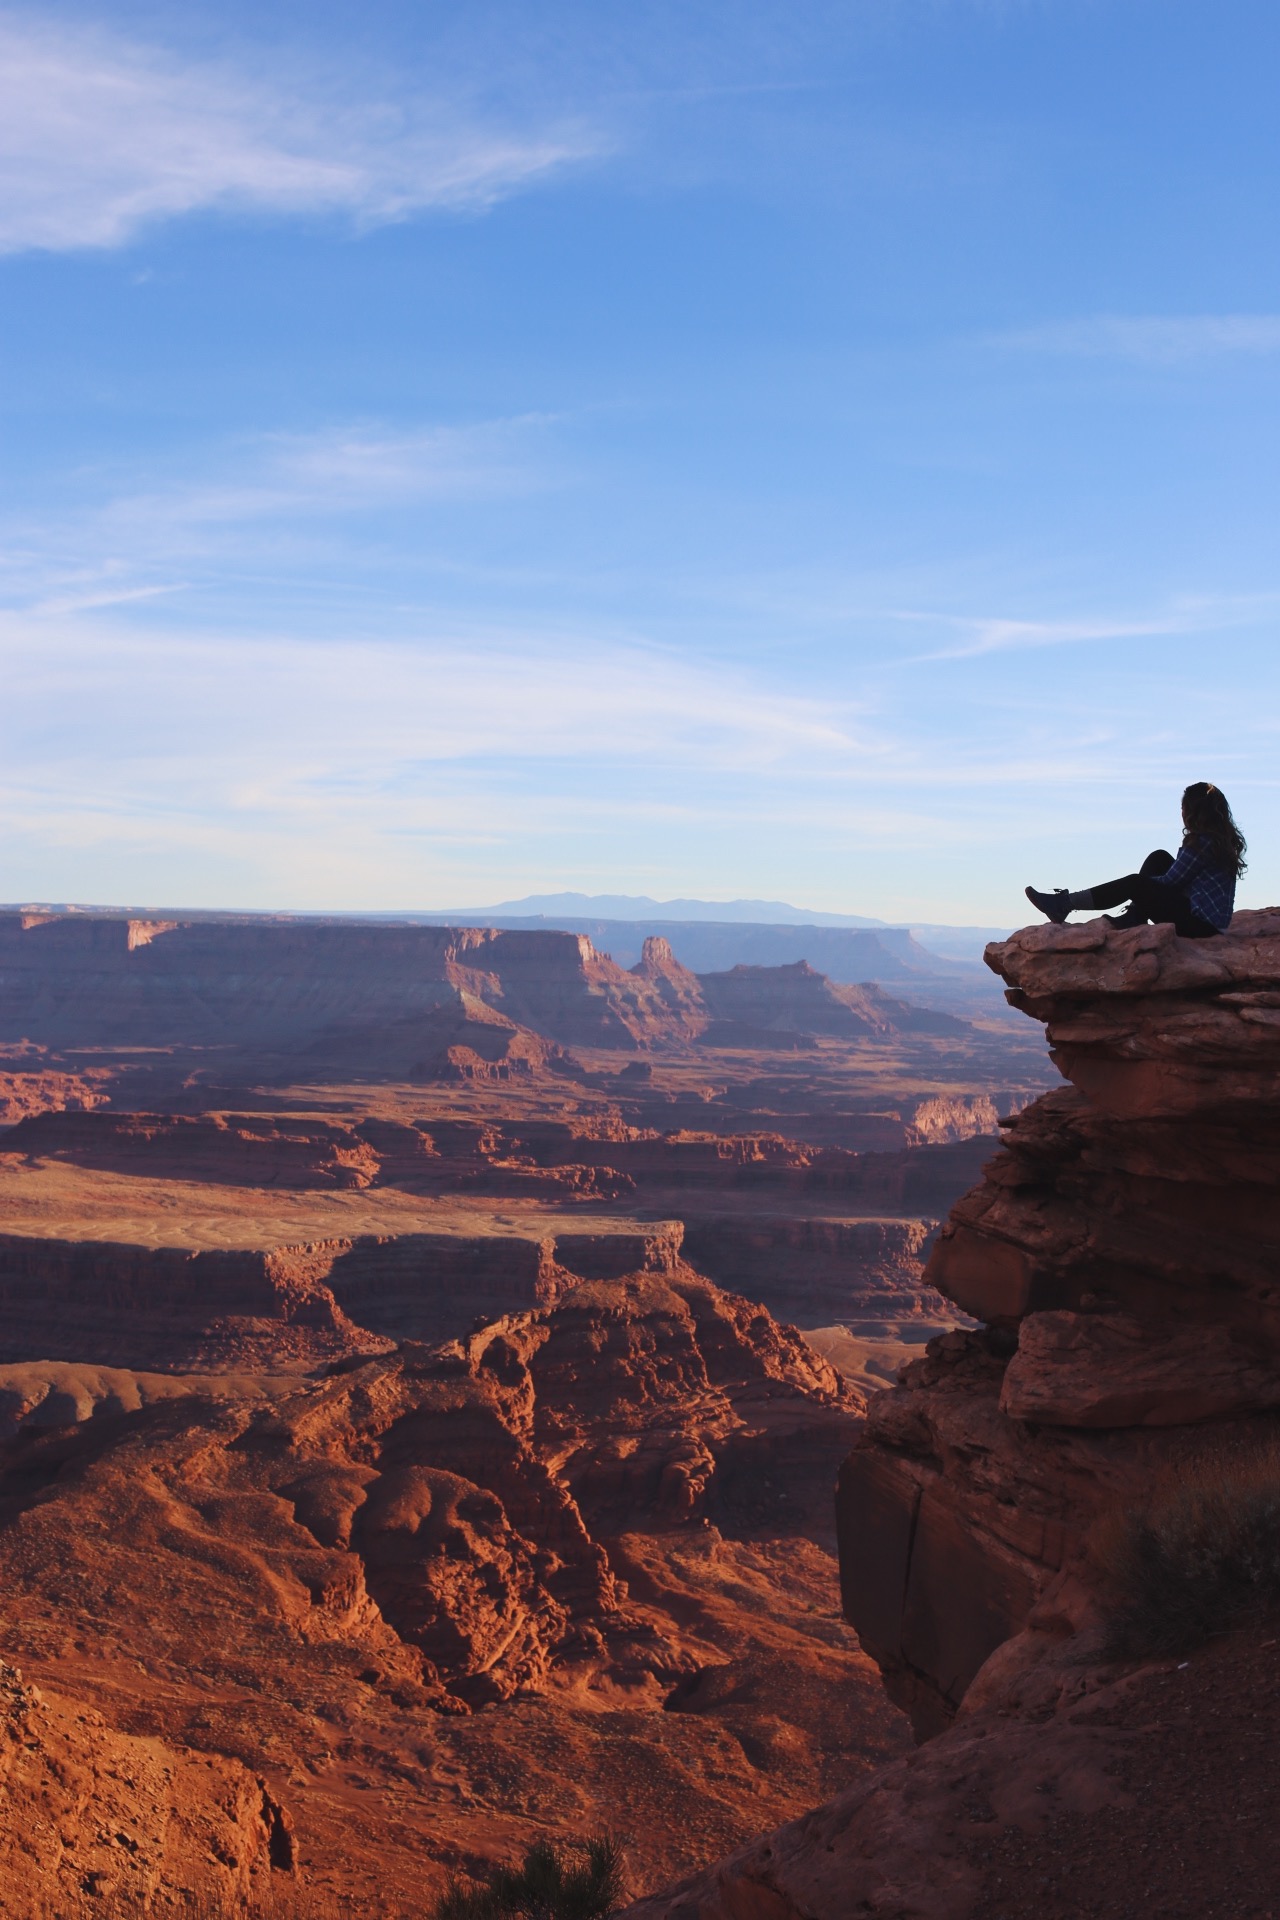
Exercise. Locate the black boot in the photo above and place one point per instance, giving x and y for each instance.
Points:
(1054, 906)
(1131, 917)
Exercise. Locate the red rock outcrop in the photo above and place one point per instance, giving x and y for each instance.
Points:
(306, 1152)
(335, 987)
(24, 1093)
(400, 1593)
(1123, 1253)
(671, 988)
(290, 1309)
(945, 1118)
(585, 1158)
(384, 1444)
(167, 1309)
(100, 1821)
(1092, 1794)
(238, 1149)
(282, 1299)
(754, 1006)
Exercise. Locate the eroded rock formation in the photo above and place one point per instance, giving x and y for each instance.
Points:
(440, 1600)
(1123, 1252)
(291, 1308)
(448, 1498)
(26, 1088)
(764, 1006)
(423, 1002)
(363, 1424)
(590, 1159)
(163, 1242)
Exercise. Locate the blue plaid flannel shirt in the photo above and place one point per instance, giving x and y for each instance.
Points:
(1209, 887)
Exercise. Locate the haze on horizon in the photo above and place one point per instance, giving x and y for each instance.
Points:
(821, 454)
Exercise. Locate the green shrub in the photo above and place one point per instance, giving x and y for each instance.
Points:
(574, 1881)
(548, 1885)
(1201, 1556)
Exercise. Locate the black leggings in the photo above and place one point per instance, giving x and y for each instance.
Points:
(1162, 904)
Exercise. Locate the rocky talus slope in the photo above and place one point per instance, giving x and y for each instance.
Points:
(101, 1821)
(1122, 1253)
(1149, 1796)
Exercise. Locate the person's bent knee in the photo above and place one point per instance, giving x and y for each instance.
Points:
(1155, 864)
(1149, 896)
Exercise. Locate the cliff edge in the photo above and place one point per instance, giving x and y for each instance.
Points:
(1121, 1253)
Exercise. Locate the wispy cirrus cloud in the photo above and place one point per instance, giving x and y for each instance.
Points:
(339, 470)
(273, 493)
(318, 772)
(146, 762)
(363, 715)
(1159, 339)
(100, 137)
(977, 634)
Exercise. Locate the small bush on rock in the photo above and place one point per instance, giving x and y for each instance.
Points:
(1200, 1557)
(550, 1884)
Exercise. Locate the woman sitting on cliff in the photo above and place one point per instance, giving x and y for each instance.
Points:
(1196, 892)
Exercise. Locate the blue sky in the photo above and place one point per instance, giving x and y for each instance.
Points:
(821, 452)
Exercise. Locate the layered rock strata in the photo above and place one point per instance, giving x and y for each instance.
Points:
(1123, 1252)
(424, 1001)
(820, 1235)
(290, 1308)
(586, 1159)
(755, 1006)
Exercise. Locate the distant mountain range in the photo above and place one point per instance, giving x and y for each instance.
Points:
(608, 914)
(638, 906)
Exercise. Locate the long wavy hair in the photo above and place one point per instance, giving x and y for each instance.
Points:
(1206, 816)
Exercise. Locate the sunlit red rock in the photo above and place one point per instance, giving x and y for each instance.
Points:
(1122, 1251)
(95, 1819)
(412, 1568)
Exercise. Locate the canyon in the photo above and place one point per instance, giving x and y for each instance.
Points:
(426, 1358)
(455, 1390)
(944, 975)
(316, 1112)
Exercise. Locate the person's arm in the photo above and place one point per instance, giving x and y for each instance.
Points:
(1193, 857)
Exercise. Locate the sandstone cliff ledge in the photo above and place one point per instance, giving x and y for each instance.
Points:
(1124, 1253)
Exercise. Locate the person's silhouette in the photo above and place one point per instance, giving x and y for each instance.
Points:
(1195, 892)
